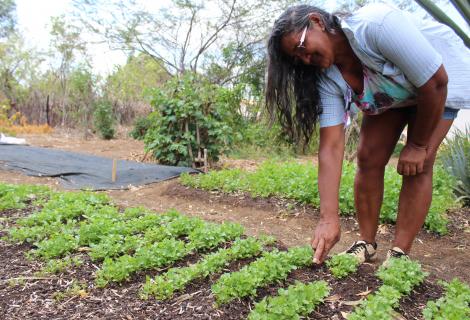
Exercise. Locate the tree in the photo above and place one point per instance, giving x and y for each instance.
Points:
(67, 45)
(7, 18)
(187, 35)
(127, 85)
(16, 69)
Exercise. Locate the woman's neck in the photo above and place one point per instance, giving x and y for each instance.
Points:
(345, 58)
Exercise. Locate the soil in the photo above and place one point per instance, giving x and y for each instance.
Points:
(444, 257)
(72, 295)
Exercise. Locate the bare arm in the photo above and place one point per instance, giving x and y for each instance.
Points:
(431, 99)
(330, 158)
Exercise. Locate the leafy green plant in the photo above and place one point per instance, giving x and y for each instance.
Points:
(402, 274)
(141, 126)
(63, 206)
(454, 305)
(271, 267)
(399, 277)
(153, 256)
(56, 245)
(158, 228)
(176, 279)
(165, 252)
(58, 220)
(291, 303)
(114, 244)
(190, 115)
(455, 157)
(37, 233)
(60, 265)
(378, 306)
(17, 196)
(291, 180)
(103, 120)
(341, 265)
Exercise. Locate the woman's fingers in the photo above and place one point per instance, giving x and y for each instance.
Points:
(406, 169)
(326, 250)
(317, 258)
(315, 243)
(400, 168)
(420, 168)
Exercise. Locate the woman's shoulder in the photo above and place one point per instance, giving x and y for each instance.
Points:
(331, 82)
(372, 13)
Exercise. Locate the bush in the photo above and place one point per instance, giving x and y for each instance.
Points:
(192, 114)
(103, 120)
(455, 157)
(141, 126)
(258, 140)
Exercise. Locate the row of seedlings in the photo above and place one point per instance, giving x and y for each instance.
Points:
(69, 220)
(454, 305)
(164, 253)
(164, 286)
(273, 266)
(140, 240)
(300, 299)
(399, 277)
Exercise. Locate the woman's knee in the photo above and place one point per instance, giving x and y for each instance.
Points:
(371, 159)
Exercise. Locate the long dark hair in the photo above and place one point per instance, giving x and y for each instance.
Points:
(291, 87)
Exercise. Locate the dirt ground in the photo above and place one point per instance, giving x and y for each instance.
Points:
(72, 294)
(444, 257)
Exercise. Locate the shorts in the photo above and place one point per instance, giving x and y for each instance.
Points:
(450, 114)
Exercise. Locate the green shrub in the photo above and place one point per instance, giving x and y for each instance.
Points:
(103, 120)
(192, 114)
(258, 140)
(141, 126)
(455, 157)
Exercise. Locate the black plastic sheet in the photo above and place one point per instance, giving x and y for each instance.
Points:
(82, 171)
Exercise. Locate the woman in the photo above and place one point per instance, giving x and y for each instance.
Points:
(400, 73)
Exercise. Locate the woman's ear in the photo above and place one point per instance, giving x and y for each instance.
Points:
(316, 19)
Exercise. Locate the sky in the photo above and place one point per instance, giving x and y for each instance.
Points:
(34, 19)
(34, 23)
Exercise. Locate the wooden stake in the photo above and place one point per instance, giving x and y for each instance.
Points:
(113, 177)
(206, 164)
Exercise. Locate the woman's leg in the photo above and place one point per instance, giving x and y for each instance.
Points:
(416, 191)
(378, 137)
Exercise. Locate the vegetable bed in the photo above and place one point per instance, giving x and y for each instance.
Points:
(76, 255)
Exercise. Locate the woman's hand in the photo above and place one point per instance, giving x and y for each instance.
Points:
(326, 235)
(411, 161)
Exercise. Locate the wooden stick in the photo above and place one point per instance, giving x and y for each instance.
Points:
(206, 165)
(113, 177)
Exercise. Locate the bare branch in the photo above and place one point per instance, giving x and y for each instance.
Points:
(213, 37)
(188, 35)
